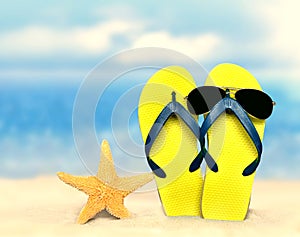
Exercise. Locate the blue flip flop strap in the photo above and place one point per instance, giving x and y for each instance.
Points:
(172, 108)
(230, 104)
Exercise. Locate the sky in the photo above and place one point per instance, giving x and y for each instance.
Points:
(55, 44)
(63, 37)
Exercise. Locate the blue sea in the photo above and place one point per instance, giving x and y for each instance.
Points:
(36, 129)
(36, 133)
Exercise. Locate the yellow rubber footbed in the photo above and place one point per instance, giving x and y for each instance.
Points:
(226, 194)
(176, 146)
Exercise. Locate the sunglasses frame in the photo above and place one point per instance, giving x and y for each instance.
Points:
(231, 91)
(236, 89)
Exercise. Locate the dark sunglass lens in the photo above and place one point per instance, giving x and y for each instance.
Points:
(203, 99)
(255, 102)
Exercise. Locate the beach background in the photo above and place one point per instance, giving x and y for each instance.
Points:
(48, 49)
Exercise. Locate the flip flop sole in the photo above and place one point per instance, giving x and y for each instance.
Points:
(226, 194)
(176, 146)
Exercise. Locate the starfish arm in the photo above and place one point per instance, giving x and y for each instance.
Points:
(93, 206)
(116, 207)
(106, 190)
(106, 170)
(132, 183)
(86, 184)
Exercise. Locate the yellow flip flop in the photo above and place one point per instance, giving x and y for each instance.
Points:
(234, 125)
(170, 134)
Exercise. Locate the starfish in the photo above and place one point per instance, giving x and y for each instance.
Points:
(106, 190)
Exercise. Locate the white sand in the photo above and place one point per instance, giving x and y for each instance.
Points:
(47, 207)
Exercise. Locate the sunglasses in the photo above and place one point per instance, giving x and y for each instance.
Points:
(255, 102)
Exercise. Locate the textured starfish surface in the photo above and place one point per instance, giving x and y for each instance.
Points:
(106, 190)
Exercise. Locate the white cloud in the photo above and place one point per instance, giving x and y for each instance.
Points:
(116, 11)
(41, 40)
(283, 18)
(197, 46)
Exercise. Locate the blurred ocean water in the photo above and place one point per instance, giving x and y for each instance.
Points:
(36, 133)
(35, 129)
(38, 109)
